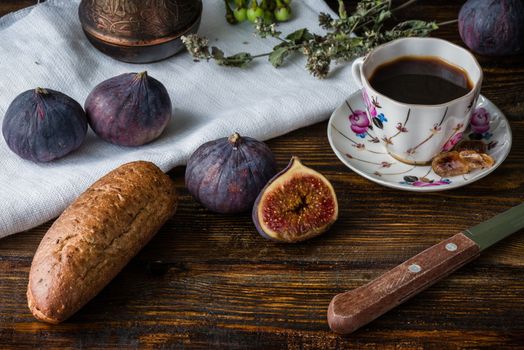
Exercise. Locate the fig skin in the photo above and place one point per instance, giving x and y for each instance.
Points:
(492, 27)
(319, 198)
(130, 109)
(42, 125)
(226, 175)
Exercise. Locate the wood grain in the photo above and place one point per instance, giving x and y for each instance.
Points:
(210, 281)
(7, 6)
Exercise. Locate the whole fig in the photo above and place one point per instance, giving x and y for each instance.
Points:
(297, 204)
(131, 109)
(43, 124)
(492, 27)
(226, 175)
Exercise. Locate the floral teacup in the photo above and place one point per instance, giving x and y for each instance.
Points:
(414, 133)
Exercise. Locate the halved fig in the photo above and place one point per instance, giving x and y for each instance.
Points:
(449, 164)
(297, 204)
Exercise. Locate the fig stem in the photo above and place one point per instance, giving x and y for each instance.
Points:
(406, 4)
(295, 159)
(235, 139)
(141, 75)
(41, 91)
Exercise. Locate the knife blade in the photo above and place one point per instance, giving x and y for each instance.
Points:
(351, 310)
(497, 228)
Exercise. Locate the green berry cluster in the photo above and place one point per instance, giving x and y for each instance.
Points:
(270, 11)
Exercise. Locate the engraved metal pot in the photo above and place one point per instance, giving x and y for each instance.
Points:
(139, 31)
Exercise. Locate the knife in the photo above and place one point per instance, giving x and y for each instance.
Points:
(353, 309)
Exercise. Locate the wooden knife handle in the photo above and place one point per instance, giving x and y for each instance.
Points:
(353, 309)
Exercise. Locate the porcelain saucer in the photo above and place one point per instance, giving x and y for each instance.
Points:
(365, 155)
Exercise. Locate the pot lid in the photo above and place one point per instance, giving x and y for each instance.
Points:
(138, 22)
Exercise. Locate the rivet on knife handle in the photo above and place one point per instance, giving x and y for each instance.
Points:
(351, 310)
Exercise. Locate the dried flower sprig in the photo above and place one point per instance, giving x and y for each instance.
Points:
(347, 37)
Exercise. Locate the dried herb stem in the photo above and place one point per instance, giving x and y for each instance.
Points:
(347, 37)
(445, 23)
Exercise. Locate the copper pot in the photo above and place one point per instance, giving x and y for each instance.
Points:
(139, 31)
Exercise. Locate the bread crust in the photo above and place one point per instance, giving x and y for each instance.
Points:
(96, 236)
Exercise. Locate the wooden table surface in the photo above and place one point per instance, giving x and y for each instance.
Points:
(210, 281)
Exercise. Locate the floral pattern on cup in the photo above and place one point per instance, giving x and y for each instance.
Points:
(371, 105)
(479, 124)
(435, 130)
(359, 123)
(452, 142)
(479, 121)
(455, 138)
(401, 127)
(379, 120)
(372, 110)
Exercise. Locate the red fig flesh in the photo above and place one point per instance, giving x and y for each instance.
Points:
(297, 204)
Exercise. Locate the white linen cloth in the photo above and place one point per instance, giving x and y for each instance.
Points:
(44, 46)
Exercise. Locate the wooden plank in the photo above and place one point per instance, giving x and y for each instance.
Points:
(7, 6)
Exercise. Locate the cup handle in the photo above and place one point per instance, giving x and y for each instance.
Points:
(356, 69)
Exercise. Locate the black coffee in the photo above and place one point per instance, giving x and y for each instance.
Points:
(420, 80)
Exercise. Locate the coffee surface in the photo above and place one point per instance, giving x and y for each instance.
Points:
(420, 80)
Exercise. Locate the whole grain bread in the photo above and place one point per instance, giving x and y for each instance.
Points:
(96, 236)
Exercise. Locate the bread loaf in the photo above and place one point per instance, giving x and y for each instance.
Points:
(96, 236)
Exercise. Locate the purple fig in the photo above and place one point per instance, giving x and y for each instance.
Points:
(43, 124)
(226, 175)
(129, 110)
(492, 27)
